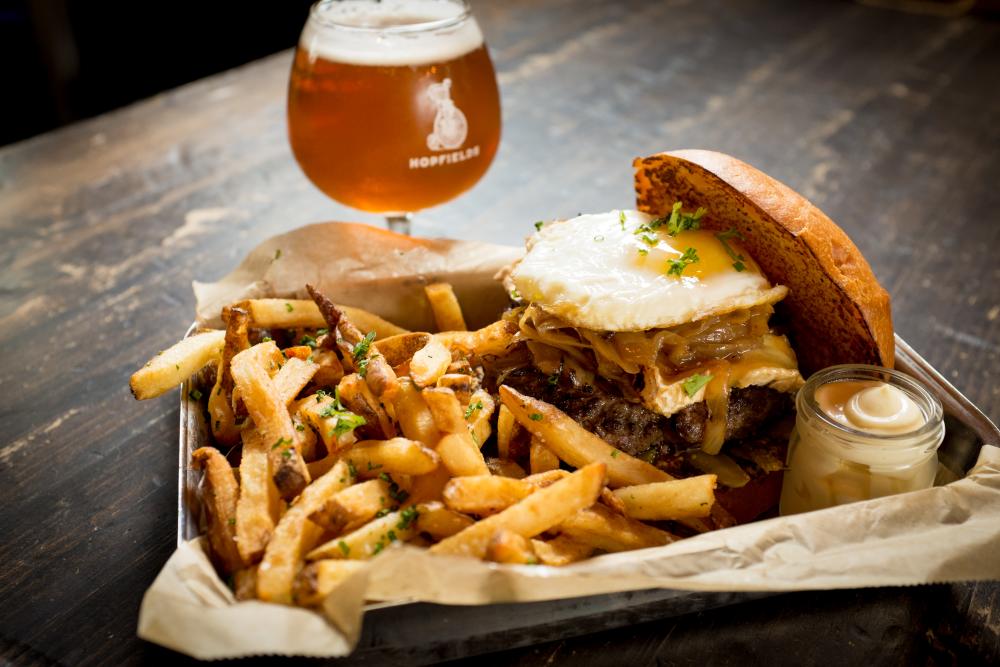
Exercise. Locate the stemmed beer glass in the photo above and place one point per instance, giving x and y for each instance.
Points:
(393, 105)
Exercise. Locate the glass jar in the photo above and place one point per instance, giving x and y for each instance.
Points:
(830, 463)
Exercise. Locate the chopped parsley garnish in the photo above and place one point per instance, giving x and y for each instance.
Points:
(194, 395)
(675, 223)
(378, 547)
(693, 384)
(382, 512)
(677, 266)
(363, 365)
(614, 453)
(266, 339)
(321, 394)
(351, 469)
(651, 241)
(289, 307)
(360, 351)
(322, 332)
(539, 225)
(469, 411)
(736, 257)
(277, 253)
(346, 420)
(515, 295)
(396, 493)
(643, 251)
(286, 454)
(554, 378)
(344, 547)
(535, 417)
(232, 521)
(407, 517)
(621, 219)
(281, 441)
(308, 340)
(391, 535)
(374, 466)
(300, 427)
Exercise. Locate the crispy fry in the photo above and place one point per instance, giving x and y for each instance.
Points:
(292, 378)
(461, 455)
(369, 362)
(353, 506)
(429, 487)
(507, 428)
(447, 412)
(484, 494)
(219, 493)
(259, 504)
(505, 468)
(395, 456)
(370, 539)
(605, 529)
(318, 580)
(677, 499)
(444, 305)
(440, 522)
(329, 370)
(535, 514)
(414, 417)
(478, 414)
(304, 314)
(294, 535)
(613, 502)
(574, 444)
(222, 421)
(358, 398)
(429, 363)
(506, 546)
(493, 339)
(542, 479)
(401, 348)
(540, 457)
(270, 415)
(560, 550)
(176, 364)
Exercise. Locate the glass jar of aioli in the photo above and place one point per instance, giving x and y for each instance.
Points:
(860, 432)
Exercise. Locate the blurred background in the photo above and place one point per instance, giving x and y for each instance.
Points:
(71, 59)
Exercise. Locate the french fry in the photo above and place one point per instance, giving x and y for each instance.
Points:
(304, 314)
(444, 305)
(484, 494)
(429, 487)
(401, 348)
(574, 444)
(540, 480)
(222, 421)
(414, 417)
(535, 514)
(429, 363)
(357, 397)
(329, 370)
(540, 457)
(447, 412)
(506, 546)
(245, 583)
(370, 539)
(493, 339)
(318, 580)
(479, 414)
(335, 427)
(440, 522)
(662, 501)
(219, 493)
(504, 468)
(605, 529)
(270, 415)
(461, 455)
(258, 507)
(176, 364)
(292, 378)
(353, 506)
(560, 550)
(507, 428)
(394, 456)
(294, 535)
(613, 502)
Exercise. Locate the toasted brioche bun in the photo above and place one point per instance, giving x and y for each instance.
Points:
(837, 311)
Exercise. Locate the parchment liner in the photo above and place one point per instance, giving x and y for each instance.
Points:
(948, 533)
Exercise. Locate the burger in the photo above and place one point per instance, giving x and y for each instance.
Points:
(680, 332)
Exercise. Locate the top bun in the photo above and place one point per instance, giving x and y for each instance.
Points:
(837, 311)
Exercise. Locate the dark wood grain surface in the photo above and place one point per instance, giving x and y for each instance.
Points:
(889, 122)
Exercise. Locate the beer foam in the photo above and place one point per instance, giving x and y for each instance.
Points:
(387, 33)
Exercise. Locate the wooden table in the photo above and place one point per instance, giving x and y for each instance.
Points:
(889, 122)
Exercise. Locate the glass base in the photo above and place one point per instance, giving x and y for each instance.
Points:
(399, 223)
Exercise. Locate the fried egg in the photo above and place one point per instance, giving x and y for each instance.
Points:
(616, 272)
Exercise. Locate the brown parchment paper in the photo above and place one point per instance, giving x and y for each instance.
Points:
(948, 533)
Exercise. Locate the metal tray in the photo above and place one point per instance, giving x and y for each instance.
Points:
(417, 633)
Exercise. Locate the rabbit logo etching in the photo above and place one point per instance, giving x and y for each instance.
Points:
(450, 125)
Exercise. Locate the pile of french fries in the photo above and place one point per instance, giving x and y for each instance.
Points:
(356, 436)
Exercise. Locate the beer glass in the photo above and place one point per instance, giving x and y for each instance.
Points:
(393, 105)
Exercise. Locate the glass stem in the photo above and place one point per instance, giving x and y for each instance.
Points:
(399, 223)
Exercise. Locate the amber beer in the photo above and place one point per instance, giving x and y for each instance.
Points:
(393, 122)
